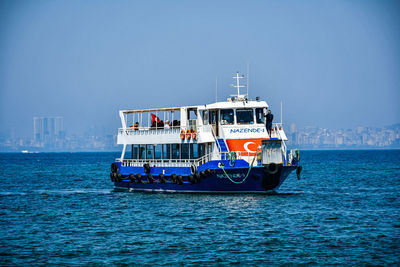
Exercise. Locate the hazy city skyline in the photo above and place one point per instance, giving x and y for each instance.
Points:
(47, 138)
(334, 64)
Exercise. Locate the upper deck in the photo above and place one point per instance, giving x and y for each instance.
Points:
(235, 119)
(190, 133)
(228, 120)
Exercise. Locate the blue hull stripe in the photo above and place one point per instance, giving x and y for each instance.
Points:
(217, 182)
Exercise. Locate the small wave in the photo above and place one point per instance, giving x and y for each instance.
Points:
(286, 193)
(12, 193)
(73, 191)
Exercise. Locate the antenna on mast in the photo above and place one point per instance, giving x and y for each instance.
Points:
(281, 112)
(248, 76)
(216, 88)
(238, 86)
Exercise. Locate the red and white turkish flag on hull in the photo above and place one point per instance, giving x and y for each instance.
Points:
(245, 145)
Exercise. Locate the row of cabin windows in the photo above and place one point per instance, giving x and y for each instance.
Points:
(168, 151)
(227, 116)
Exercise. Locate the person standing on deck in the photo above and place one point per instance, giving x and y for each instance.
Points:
(268, 122)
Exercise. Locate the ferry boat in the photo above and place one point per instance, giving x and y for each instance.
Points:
(223, 147)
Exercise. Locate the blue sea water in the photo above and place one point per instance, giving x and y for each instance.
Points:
(60, 209)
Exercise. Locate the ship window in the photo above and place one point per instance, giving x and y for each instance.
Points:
(135, 151)
(166, 151)
(175, 151)
(244, 116)
(194, 151)
(192, 114)
(260, 115)
(213, 117)
(226, 116)
(142, 152)
(185, 151)
(209, 148)
(149, 152)
(205, 117)
(201, 149)
(157, 152)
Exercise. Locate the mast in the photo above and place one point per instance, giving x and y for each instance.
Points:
(238, 86)
(216, 89)
(248, 76)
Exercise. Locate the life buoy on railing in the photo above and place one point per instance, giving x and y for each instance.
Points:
(182, 134)
(188, 134)
(194, 134)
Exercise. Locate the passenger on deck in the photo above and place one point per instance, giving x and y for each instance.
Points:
(167, 125)
(136, 126)
(268, 122)
(153, 125)
(176, 123)
(160, 124)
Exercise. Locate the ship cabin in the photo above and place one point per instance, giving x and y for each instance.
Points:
(194, 135)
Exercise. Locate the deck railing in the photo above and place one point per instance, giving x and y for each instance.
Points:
(149, 130)
(247, 156)
(176, 129)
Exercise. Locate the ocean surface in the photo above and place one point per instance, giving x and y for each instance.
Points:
(60, 209)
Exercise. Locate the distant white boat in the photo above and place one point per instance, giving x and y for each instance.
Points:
(24, 151)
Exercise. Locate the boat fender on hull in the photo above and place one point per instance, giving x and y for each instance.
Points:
(191, 179)
(193, 168)
(131, 178)
(146, 167)
(271, 176)
(272, 168)
(197, 178)
(138, 178)
(150, 178)
(179, 179)
(162, 178)
(114, 167)
(173, 178)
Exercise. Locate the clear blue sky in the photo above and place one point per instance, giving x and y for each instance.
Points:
(333, 63)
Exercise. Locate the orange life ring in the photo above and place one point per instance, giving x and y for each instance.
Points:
(131, 126)
(188, 134)
(182, 134)
(194, 134)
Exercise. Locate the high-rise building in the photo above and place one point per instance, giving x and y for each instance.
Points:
(48, 129)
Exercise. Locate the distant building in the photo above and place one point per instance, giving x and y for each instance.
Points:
(292, 128)
(48, 130)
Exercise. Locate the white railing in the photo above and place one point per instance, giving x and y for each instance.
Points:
(158, 162)
(247, 156)
(149, 131)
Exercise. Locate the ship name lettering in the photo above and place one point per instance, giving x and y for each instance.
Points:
(247, 130)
